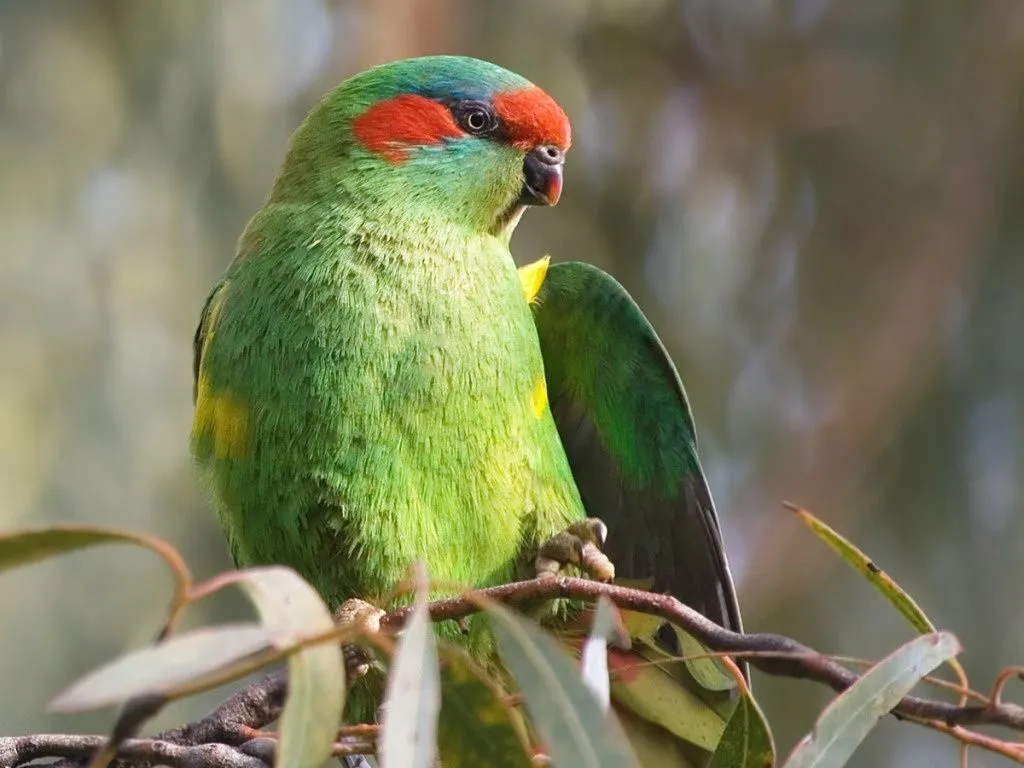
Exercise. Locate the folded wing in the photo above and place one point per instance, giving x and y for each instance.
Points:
(626, 425)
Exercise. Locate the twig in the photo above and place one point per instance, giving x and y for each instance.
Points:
(230, 736)
(795, 659)
(239, 718)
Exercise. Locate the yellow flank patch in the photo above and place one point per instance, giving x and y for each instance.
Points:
(222, 419)
(531, 278)
(217, 416)
(539, 397)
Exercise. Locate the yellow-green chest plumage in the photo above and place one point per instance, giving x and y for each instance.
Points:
(364, 402)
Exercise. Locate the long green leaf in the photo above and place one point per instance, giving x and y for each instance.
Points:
(648, 682)
(413, 698)
(594, 656)
(476, 727)
(18, 548)
(864, 565)
(879, 579)
(181, 662)
(851, 715)
(316, 674)
(576, 733)
(747, 741)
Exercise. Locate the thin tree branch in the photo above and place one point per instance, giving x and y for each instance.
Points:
(795, 659)
(240, 717)
(231, 735)
(20, 750)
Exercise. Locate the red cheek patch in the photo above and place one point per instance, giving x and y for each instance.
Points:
(390, 127)
(533, 118)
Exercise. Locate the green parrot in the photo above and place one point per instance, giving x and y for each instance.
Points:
(376, 383)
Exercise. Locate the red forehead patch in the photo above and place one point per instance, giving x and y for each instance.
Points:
(533, 118)
(389, 127)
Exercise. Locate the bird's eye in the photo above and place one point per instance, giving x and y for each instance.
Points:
(477, 119)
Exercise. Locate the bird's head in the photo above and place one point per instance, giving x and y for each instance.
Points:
(435, 138)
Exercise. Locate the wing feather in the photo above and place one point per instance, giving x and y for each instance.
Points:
(207, 321)
(626, 425)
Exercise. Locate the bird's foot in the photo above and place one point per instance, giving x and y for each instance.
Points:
(580, 545)
(363, 618)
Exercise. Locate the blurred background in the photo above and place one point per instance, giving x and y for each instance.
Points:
(816, 201)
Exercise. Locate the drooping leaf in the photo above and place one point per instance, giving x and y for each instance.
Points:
(476, 727)
(875, 576)
(851, 715)
(644, 682)
(413, 697)
(290, 607)
(575, 732)
(708, 671)
(18, 548)
(747, 741)
(180, 663)
(653, 687)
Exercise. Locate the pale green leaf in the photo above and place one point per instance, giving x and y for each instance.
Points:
(864, 565)
(180, 662)
(747, 741)
(709, 672)
(413, 698)
(574, 730)
(594, 657)
(18, 548)
(646, 683)
(316, 674)
(851, 715)
(476, 727)
(879, 579)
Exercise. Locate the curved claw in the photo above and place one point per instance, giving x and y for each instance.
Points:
(579, 545)
(361, 618)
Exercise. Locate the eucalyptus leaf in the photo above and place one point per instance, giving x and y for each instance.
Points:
(575, 732)
(289, 606)
(856, 558)
(413, 698)
(594, 656)
(848, 719)
(747, 741)
(477, 726)
(182, 661)
(18, 548)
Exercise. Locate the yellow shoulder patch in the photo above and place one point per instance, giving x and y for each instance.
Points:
(531, 278)
(539, 396)
(217, 416)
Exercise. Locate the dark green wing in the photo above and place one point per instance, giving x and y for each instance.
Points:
(206, 321)
(627, 429)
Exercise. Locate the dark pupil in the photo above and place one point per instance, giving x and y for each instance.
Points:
(476, 120)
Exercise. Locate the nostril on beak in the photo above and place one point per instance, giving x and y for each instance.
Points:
(542, 175)
(550, 154)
